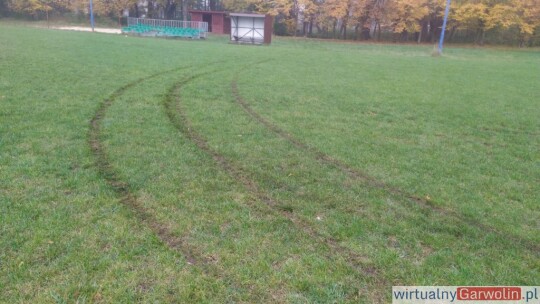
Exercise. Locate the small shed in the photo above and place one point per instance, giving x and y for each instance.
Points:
(251, 28)
(218, 22)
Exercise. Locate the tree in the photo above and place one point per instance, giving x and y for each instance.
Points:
(407, 14)
(356, 14)
(310, 9)
(376, 13)
(244, 5)
(113, 7)
(431, 23)
(337, 11)
(521, 14)
(3, 7)
(29, 7)
(35, 8)
(473, 16)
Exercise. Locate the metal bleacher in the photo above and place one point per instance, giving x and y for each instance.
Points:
(166, 28)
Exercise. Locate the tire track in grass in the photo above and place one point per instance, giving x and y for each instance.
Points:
(105, 168)
(122, 188)
(357, 174)
(179, 119)
(320, 156)
(178, 244)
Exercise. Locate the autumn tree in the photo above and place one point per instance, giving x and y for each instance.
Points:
(36, 7)
(288, 10)
(336, 11)
(245, 5)
(357, 16)
(432, 22)
(472, 16)
(28, 7)
(524, 15)
(406, 16)
(113, 7)
(378, 13)
(310, 10)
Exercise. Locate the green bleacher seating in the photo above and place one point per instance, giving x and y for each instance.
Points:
(163, 31)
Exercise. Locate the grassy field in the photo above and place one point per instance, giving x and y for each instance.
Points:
(153, 170)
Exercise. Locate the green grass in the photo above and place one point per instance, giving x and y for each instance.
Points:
(131, 171)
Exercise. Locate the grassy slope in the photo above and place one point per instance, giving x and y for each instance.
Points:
(462, 130)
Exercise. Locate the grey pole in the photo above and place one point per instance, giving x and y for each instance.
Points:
(92, 15)
(444, 26)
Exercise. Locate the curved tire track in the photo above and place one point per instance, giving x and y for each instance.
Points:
(122, 188)
(356, 174)
(180, 120)
(178, 244)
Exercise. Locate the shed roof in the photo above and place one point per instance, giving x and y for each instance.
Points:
(247, 15)
(208, 12)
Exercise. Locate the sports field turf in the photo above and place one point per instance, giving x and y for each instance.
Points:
(155, 170)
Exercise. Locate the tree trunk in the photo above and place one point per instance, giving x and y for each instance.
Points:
(404, 36)
(295, 13)
(378, 31)
(434, 31)
(482, 37)
(419, 36)
(452, 33)
(184, 9)
(521, 42)
(424, 31)
(295, 24)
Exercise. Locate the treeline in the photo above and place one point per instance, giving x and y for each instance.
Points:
(513, 22)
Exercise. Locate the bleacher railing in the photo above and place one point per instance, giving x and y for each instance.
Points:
(202, 27)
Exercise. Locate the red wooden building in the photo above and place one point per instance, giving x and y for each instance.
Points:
(218, 22)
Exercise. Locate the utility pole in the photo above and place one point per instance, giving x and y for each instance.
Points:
(92, 15)
(443, 26)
